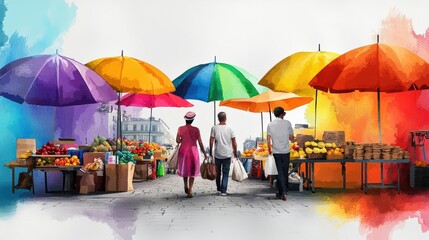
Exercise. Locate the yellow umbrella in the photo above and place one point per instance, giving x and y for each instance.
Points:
(293, 74)
(127, 74)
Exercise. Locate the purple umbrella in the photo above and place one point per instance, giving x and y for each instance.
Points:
(53, 80)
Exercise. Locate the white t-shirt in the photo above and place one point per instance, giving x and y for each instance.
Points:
(223, 135)
(279, 130)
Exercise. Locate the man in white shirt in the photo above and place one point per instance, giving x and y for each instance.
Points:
(225, 147)
(280, 131)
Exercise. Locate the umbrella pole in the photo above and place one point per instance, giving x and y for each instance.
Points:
(55, 125)
(379, 117)
(269, 109)
(119, 127)
(214, 113)
(262, 127)
(150, 122)
(315, 115)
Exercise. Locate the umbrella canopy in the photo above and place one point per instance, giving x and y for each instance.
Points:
(266, 102)
(152, 101)
(52, 80)
(216, 81)
(127, 74)
(374, 68)
(293, 74)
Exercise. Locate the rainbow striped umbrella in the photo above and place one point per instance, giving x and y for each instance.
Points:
(214, 82)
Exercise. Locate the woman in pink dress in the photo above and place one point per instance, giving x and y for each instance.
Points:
(188, 160)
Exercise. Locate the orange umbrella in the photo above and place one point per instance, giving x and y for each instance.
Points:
(374, 68)
(265, 102)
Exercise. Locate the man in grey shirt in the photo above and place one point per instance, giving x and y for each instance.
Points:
(280, 131)
(225, 147)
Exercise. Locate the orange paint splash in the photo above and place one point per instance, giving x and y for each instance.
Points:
(356, 113)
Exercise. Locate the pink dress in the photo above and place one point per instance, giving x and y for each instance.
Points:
(188, 160)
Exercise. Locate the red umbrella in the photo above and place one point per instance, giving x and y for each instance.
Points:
(152, 101)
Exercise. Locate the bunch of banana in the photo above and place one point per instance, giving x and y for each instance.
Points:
(26, 154)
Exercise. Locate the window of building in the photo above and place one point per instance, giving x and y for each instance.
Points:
(154, 128)
(154, 138)
(146, 128)
(134, 136)
(141, 127)
(134, 127)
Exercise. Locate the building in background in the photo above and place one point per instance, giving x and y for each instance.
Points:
(138, 128)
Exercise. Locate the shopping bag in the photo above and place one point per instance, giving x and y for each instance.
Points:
(161, 169)
(238, 171)
(270, 166)
(172, 158)
(208, 169)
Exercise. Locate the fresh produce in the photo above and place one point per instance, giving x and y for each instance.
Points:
(72, 161)
(248, 152)
(419, 163)
(26, 154)
(45, 162)
(125, 157)
(296, 151)
(262, 149)
(146, 149)
(100, 144)
(50, 149)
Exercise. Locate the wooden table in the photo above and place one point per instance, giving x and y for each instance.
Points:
(17, 164)
(69, 174)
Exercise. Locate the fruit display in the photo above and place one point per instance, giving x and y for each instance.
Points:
(51, 149)
(100, 144)
(71, 161)
(320, 149)
(41, 162)
(296, 151)
(125, 157)
(146, 149)
(248, 152)
(378, 151)
(419, 163)
(262, 149)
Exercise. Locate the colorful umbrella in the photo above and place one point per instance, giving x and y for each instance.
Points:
(215, 81)
(293, 74)
(374, 68)
(152, 101)
(265, 102)
(127, 74)
(52, 80)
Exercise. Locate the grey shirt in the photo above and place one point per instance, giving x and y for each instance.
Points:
(223, 135)
(279, 130)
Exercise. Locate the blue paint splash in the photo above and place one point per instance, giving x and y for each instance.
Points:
(26, 28)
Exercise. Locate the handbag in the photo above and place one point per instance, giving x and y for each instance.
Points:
(270, 166)
(172, 158)
(238, 171)
(208, 169)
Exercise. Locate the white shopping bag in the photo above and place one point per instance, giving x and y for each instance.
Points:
(238, 171)
(270, 166)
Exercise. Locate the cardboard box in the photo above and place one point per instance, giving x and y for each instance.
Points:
(98, 176)
(141, 170)
(337, 137)
(89, 157)
(119, 177)
(87, 183)
(25, 144)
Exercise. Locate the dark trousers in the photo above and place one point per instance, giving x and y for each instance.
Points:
(222, 166)
(282, 164)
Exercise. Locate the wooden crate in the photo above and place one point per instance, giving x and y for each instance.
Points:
(316, 156)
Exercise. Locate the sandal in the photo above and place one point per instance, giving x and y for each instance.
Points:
(186, 190)
(190, 195)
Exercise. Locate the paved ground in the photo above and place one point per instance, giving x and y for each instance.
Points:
(159, 209)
